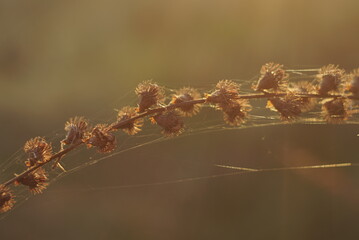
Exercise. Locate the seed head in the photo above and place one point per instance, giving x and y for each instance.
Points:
(224, 93)
(330, 79)
(235, 113)
(225, 98)
(273, 77)
(133, 127)
(75, 128)
(150, 94)
(38, 151)
(36, 180)
(304, 87)
(289, 106)
(170, 121)
(184, 95)
(7, 200)
(102, 138)
(335, 110)
(353, 82)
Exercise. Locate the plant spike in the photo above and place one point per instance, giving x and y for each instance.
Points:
(289, 100)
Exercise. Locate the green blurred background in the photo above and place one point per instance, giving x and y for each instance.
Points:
(64, 58)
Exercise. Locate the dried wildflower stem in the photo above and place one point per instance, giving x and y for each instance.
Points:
(169, 107)
(157, 110)
(282, 94)
(63, 152)
(55, 156)
(203, 100)
(272, 85)
(327, 96)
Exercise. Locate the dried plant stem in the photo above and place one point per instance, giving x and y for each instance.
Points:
(63, 152)
(150, 112)
(282, 94)
(289, 101)
(157, 110)
(55, 156)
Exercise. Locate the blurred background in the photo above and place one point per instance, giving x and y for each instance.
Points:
(59, 59)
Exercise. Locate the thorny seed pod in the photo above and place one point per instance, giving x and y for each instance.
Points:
(6, 199)
(273, 77)
(38, 151)
(224, 93)
(225, 97)
(235, 113)
(353, 85)
(36, 180)
(330, 79)
(131, 127)
(102, 138)
(185, 95)
(150, 94)
(170, 121)
(289, 106)
(75, 128)
(304, 87)
(335, 110)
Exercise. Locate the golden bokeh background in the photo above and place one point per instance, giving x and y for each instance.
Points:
(59, 59)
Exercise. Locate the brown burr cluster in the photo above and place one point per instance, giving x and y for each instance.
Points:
(335, 90)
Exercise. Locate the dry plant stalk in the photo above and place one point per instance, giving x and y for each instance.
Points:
(290, 100)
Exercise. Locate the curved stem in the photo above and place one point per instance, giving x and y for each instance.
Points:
(169, 107)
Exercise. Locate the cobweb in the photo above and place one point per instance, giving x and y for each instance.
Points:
(208, 121)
